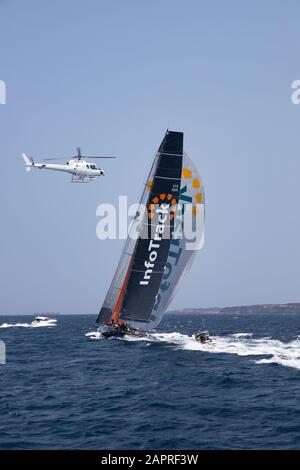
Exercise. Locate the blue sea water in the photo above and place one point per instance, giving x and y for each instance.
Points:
(60, 390)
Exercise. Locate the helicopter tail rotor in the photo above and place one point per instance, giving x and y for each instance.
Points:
(28, 161)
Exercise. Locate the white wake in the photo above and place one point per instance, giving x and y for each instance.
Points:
(27, 325)
(242, 344)
(15, 325)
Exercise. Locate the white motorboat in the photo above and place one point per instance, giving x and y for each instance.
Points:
(41, 320)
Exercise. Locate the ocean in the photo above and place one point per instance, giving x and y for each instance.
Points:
(61, 390)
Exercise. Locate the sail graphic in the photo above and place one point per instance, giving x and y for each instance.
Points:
(154, 262)
(182, 249)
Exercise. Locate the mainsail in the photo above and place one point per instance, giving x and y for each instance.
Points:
(157, 253)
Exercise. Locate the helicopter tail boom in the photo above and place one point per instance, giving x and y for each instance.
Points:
(28, 161)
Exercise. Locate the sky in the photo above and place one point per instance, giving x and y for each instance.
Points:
(111, 77)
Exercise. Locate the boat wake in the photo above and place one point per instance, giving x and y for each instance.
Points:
(242, 335)
(15, 325)
(94, 335)
(26, 325)
(242, 344)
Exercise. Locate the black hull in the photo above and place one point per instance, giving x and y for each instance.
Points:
(116, 332)
(113, 334)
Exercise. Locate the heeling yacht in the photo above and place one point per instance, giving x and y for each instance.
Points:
(151, 268)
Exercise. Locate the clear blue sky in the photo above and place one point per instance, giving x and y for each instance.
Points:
(111, 76)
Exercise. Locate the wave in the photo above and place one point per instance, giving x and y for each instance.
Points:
(26, 325)
(241, 335)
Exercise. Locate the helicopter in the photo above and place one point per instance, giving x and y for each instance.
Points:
(82, 171)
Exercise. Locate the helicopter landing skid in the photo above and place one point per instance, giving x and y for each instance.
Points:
(82, 179)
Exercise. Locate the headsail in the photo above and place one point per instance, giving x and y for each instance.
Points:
(151, 266)
(182, 251)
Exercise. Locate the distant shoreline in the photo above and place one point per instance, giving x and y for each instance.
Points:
(243, 309)
(234, 310)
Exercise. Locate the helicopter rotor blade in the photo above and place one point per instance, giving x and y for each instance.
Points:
(93, 157)
(79, 156)
(57, 158)
(78, 153)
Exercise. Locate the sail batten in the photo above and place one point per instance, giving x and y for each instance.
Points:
(167, 178)
(171, 154)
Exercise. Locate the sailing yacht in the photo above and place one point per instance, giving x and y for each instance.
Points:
(152, 267)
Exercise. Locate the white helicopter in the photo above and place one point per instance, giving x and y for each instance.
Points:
(81, 170)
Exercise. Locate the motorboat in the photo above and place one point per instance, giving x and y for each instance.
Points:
(202, 336)
(41, 320)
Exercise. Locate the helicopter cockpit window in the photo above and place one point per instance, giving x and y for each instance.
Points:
(93, 167)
